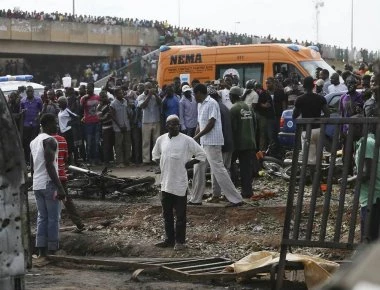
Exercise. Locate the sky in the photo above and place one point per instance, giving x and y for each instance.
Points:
(282, 19)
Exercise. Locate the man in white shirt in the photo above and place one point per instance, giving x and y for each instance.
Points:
(174, 152)
(65, 118)
(225, 94)
(325, 76)
(250, 97)
(210, 134)
(336, 86)
(47, 186)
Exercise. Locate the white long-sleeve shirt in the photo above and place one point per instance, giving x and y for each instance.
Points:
(337, 88)
(173, 154)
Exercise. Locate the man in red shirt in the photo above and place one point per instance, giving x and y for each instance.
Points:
(91, 122)
(63, 155)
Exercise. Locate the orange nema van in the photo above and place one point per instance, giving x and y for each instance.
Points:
(256, 61)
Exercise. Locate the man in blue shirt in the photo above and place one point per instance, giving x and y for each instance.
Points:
(188, 112)
(31, 107)
(170, 104)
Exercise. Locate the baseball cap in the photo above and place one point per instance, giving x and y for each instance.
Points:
(320, 82)
(235, 90)
(186, 88)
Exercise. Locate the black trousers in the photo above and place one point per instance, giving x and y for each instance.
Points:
(71, 209)
(107, 144)
(136, 139)
(70, 146)
(170, 203)
(246, 170)
(374, 222)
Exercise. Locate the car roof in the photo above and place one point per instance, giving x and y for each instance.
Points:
(11, 86)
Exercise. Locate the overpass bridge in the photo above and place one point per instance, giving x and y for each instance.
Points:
(20, 38)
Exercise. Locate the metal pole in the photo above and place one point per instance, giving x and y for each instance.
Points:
(236, 22)
(317, 13)
(318, 5)
(73, 7)
(352, 26)
(179, 13)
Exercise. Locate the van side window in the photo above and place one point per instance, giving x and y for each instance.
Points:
(244, 72)
(286, 69)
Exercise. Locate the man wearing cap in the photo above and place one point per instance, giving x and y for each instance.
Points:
(319, 87)
(244, 139)
(228, 146)
(188, 112)
(209, 132)
(174, 152)
(224, 92)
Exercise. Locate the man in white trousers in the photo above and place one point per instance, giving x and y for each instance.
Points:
(209, 132)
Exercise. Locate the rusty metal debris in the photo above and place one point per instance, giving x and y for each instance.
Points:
(88, 182)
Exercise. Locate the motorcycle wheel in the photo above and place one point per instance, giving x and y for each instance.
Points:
(287, 172)
(272, 165)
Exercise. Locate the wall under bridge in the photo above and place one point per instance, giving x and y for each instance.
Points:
(18, 36)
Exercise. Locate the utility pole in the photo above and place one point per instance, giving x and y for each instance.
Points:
(179, 13)
(236, 22)
(352, 26)
(73, 8)
(318, 4)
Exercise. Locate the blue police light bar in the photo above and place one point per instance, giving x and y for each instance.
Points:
(314, 47)
(294, 47)
(16, 78)
(164, 48)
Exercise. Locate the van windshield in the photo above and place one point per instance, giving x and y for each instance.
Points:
(311, 66)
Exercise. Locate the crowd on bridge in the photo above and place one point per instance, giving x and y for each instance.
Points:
(199, 36)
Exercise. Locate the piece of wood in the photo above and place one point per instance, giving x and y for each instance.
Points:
(125, 263)
(217, 269)
(204, 266)
(104, 262)
(178, 264)
(179, 275)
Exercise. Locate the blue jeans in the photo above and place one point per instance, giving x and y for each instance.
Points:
(92, 132)
(49, 208)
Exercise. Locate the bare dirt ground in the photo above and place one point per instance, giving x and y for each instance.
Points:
(128, 226)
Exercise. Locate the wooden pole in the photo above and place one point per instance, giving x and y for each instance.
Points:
(12, 176)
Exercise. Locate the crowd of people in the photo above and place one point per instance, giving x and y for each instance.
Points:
(120, 124)
(181, 126)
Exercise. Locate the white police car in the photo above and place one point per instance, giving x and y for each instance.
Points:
(9, 84)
